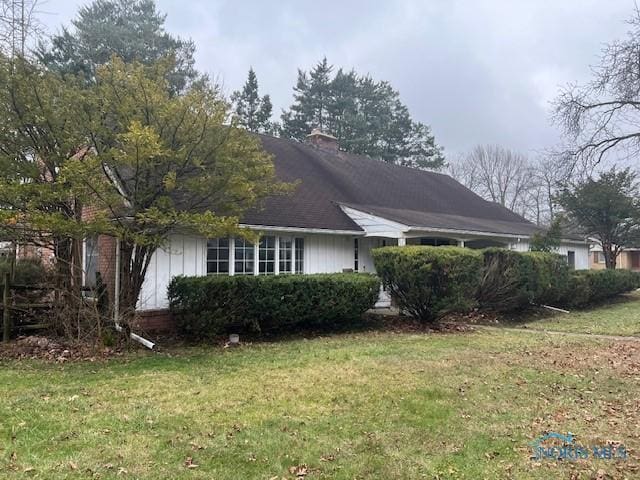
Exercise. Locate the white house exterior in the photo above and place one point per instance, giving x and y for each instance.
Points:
(309, 251)
(343, 206)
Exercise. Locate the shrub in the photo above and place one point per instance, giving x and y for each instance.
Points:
(591, 286)
(505, 281)
(428, 282)
(29, 271)
(207, 306)
(514, 280)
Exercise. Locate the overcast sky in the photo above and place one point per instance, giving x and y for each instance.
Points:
(477, 71)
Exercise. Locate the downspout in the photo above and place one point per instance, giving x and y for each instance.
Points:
(116, 304)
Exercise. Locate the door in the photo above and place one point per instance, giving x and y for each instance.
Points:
(571, 259)
(635, 260)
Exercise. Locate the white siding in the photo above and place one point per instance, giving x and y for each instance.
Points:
(581, 251)
(184, 255)
(328, 253)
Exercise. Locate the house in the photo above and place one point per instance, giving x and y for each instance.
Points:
(629, 259)
(344, 206)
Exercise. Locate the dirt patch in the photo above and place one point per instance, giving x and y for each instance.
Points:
(57, 350)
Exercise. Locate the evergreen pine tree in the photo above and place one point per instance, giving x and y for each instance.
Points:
(312, 99)
(251, 111)
(130, 29)
(366, 116)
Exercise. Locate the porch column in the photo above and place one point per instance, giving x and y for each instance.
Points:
(402, 241)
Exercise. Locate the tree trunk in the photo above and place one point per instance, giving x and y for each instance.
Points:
(610, 256)
(134, 263)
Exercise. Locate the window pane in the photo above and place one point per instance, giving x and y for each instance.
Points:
(217, 252)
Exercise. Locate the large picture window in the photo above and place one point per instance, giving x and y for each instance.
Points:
(218, 256)
(244, 257)
(299, 255)
(267, 256)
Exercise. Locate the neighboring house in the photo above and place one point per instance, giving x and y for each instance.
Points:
(344, 206)
(629, 259)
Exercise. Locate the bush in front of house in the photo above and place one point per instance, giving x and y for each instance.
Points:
(592, 286)
(506, 280)
(212, 305)
(27, 271)
(429, 282)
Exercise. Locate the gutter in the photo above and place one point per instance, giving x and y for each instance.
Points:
(116, 304)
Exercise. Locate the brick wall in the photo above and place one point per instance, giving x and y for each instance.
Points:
(154, 321)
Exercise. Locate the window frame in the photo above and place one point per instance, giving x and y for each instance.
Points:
(264, 249)
(217, 261)
(248, 249)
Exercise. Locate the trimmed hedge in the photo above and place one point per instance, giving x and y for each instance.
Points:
(208, 306)
(592, 286)
(514, 280)
(429, 282)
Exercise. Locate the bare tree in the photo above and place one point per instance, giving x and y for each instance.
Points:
(19, 25)
(601, 119)
(497, 174)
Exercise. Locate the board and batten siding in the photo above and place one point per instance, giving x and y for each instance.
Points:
(187, 255)
(184, 255)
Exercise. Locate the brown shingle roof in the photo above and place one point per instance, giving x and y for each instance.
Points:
(413, 197)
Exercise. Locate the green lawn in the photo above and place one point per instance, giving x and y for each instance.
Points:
(376, 405)
(622, 317)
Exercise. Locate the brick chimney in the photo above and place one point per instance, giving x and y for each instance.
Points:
(322, 140)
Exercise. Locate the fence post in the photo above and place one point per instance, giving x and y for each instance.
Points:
(6, 314)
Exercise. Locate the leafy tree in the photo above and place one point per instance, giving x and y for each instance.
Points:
(40, 132)
(150, 162)
(252, 111)
(365, 115)
(550, 239)
(131, 29)
(608, 209)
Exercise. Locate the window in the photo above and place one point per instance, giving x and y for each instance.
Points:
(355, 255)
(434, 242)
(91, 255)
(218, 256)
(286, 254)
(267, 256)
(571, 259)
(598, 257)
(299, 255)
(245, 255)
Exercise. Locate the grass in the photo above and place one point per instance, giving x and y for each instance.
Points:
(375, 405)
(622, 317)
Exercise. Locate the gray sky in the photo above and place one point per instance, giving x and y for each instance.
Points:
(477, 71)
